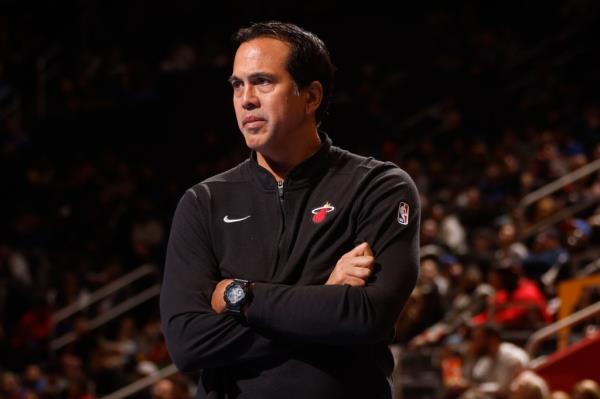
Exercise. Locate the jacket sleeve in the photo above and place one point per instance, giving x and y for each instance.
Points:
(342, 314)
(196, 336)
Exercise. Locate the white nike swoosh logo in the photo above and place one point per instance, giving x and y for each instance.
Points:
(227, 220)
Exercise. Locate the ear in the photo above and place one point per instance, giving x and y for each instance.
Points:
(314, 96)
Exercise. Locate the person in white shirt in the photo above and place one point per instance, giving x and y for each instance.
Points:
(490, 365)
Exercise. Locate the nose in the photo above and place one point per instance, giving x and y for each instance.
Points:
(249, 98)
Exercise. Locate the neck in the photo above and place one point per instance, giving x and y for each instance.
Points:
(282, 161)
(494, 348)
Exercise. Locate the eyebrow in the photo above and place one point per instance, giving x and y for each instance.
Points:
(255, 75)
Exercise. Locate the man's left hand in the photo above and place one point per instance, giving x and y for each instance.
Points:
(217, 301)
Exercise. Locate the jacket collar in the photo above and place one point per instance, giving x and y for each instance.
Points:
(308, 170)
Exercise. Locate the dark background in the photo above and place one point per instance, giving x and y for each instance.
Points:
(110, 110)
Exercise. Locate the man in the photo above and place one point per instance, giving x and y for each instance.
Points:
(529, 385)
(518, 302)
(285, 275)
(586, 389)
(490, 366)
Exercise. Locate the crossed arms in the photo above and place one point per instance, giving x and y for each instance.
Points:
(358, 304)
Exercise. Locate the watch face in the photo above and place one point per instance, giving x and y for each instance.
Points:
(235, 294)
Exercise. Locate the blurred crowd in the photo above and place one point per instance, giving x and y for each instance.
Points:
(103, 125)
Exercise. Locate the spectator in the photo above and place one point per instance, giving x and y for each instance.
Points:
(152, 344)
(454, 271)
(451, 232)
(482, 249)
(518, 303)
(33, 331)
(171, 388)
(586, 389)
(508, 246)
(163, 389)
(56, 384)
(490, 365)
(560, 395)
(78, 389)
(425, 306)
(430, 271)
(529, 385)
(470, 300)
(547, 251)
(9, 386)
(34, 380)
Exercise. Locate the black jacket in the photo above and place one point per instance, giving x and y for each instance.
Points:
(302, 339)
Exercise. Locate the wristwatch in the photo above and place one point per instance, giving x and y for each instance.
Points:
(237, 295)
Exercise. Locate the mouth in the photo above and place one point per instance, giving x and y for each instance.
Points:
(253, 122)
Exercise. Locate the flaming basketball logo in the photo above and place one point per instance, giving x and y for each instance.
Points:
(320, 213)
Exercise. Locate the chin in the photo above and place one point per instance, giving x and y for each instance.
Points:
(255, 140)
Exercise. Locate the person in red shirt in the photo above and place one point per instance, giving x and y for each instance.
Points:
(518, 301)
(32, 332)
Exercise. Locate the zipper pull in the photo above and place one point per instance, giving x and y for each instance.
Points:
(280, 188)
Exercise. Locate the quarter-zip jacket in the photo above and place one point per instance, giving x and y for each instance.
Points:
(302, 339)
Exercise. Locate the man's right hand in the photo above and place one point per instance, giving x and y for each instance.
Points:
(354, 267)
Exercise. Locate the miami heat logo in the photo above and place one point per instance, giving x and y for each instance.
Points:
(320, 213)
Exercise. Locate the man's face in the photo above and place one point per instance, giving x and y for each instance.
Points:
(507, 234)
(268, 106)
(479, 342)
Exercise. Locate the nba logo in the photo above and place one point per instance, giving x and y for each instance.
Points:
(403, 213)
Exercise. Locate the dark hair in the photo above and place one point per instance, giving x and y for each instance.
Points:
(509, 276)
(491, 330)
(308, 61)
